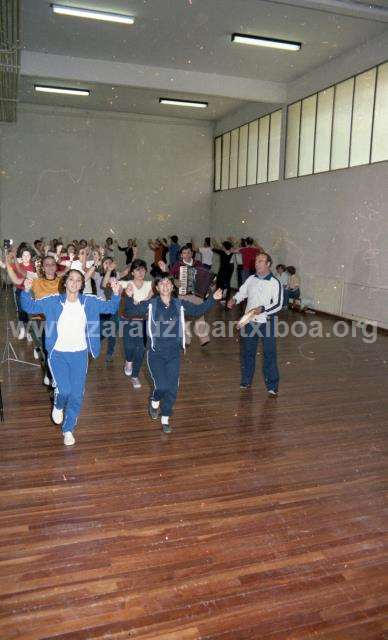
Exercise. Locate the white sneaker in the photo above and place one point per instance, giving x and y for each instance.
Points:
(29, 337)
(136, 383)
(128, 369)
(22, 333)
(46, 382)
(57, 416)
(36, 354)
(68, 438)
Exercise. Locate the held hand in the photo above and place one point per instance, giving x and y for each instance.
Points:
(162, 266)
(27, 284)
(230, 304)
(129, 290)
(116, 288)
(257, 310)
(217, 295)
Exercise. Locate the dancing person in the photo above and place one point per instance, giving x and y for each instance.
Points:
(225, 271)
(72, 330)
(249, 253)
(264, 295)
(206, 253)
(201, 328)
(109, 321)
(45, 285)
(109, 248)
(166, 338)
(134, 331)
(130, 250)
(19, 266)
(238, 259)
(160, 249)
(173, 251)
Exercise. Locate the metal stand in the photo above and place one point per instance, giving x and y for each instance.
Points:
(9, 353)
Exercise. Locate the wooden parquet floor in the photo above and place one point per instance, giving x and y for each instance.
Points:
(255, 519)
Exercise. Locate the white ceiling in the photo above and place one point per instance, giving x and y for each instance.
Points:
(126, 99)
(188, 37)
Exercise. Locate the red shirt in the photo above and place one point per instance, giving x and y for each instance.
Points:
(21, 269)
(249, 256)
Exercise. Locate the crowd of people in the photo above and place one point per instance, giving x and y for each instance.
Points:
(80, 297)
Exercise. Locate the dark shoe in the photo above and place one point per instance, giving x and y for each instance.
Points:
(108, 358)
(272, 393)
(166, 428)
(244, 386)
(153, 413)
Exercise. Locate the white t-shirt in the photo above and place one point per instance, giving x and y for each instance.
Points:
(207, 255)
(71, 328)
(283, 278)
(142, 294)
(77, 264)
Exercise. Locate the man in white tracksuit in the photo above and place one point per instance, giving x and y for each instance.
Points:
(264, 294)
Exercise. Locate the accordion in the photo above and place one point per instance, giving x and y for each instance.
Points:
(194, 281)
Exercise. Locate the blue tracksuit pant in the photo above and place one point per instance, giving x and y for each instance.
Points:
(134, 344)
(69, 375)
(250, 336)
(164, 370)
(109, 325)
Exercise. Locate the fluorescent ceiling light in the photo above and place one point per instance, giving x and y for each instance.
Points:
(259, 41)
(93, 15)
(184, 103)
(63, 90)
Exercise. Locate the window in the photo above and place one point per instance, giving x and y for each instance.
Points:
(343, 126)
(249, 154)
(380, 125)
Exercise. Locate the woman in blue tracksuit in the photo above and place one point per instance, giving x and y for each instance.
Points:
(72, 330)
(166, 338)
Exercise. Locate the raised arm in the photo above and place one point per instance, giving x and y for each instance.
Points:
(131, 308)
(28, 303)
(108, 275)
(89, 273)
(16, 280)
(196, 310)
(121, 274)
(241, 294)
(109, 306)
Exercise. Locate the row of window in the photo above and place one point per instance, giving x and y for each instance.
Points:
(342, 126)
(249, 154)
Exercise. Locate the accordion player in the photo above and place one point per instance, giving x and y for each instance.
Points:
(194, 280)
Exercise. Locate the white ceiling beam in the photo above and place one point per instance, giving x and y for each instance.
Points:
(64, 68)
(350, 8)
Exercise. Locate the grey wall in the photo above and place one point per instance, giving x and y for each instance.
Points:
(81, 174)
(333, 227)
